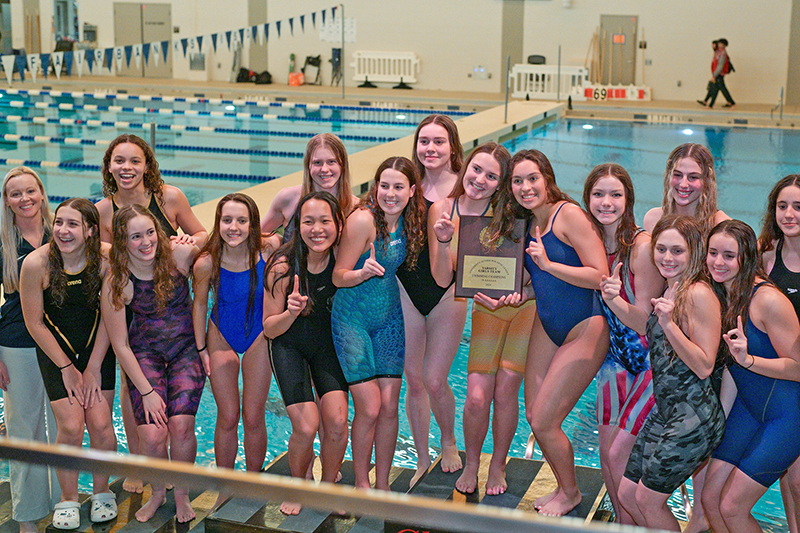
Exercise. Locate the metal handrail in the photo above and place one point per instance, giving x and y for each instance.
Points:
(402, 508)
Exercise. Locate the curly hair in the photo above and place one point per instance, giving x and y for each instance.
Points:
(627, 229)
(335, 145)
(770, 231)
(508, 210)
(415, 225)
(163, 264)
(215, 249)
(10, 238)
(736, 302)
(707, 204)
(456, 150)
(153, 181)
(696, 271)
(294, 253)
(94, 260)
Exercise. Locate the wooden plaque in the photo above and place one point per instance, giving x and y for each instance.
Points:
(492, 271)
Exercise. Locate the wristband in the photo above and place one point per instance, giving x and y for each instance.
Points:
(203, 348)
(443, 242)
(751, 364)
(152, 390)
(65, 366)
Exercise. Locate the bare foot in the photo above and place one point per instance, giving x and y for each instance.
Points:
(147, 510)
(183, 506)
(28, 527)
(468, 481)
(422, 467)
(496, 481)
(451, 461)
(290, 508)
(560, 505)
(541, 501)
(133, 485)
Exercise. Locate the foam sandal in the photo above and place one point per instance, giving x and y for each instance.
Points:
(67, 515)
(104, 507)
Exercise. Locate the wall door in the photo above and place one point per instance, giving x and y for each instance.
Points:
(618, 49)
(139, 24)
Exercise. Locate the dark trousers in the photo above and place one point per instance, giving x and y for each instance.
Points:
(718, 87)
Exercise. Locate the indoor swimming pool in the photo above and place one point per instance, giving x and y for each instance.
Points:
(748, 162)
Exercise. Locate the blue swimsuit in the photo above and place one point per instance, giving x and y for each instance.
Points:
(561, 305)
(367, 320)
(239, 328)
(760, 437)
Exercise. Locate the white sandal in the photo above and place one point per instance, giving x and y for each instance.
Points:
(67, 515)
(104, 507)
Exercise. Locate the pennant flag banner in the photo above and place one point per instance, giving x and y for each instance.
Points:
(128, 54)
(228, 39)
(68, 60)
(193, 46)
(241, 36)
(184, 43)
(8, 66)
(266, 32)
(278, 27)
(109, 59)
(303, 23)
(291, 25)
(44, 59)
(80, 56)
(323, 17)
(33, 65)
(258, 34)
(155, 51)
(119, 55)
(137, 55)
(57, 58)
(314, 19)
(21, 62)
(200, 44)
(214, 41)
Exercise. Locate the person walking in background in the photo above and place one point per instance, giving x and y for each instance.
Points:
(720, 66)
(710, 88)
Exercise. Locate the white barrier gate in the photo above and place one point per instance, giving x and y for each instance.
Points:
(385, 66)
(541, 82)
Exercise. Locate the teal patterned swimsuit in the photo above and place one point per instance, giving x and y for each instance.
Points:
(367, 320)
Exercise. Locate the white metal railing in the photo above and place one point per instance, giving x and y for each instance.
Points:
(548, 82)
(385, 66)
(402, 508)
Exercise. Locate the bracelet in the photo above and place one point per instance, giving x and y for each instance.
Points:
(751, 364)
(203, 348)
(152, 390)
(65, 366)
(443, 242)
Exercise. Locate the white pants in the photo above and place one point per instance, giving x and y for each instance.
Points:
(34, 488)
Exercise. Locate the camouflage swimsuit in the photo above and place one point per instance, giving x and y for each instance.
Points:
(685, 426)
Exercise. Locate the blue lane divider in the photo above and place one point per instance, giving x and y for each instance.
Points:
(192, 113)
(221, 101)
(164, 172)
(182, 127)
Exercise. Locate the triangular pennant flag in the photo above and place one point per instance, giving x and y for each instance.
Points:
(246, 37)
(199, 44)
(146, 53)
(291, 25)
(164, 51)
(176, 48)
(155, 50)
(266, 32)
(333, 13)
(314, 19)
(128, 53)
(33, 65)
(109, 59)
(44, 59)
(68, 60)
(21, 62)
(192, 47)
(137, 55)
(323, 17)
(228, 39)
(214, 41)
(80, 59)
(57, 58)
(278, 27)
(119, 55)
(241, 35)
(258, 35)
(8, 66)
(184, 44)
(303, 23)
(98, 58)
(90, 59)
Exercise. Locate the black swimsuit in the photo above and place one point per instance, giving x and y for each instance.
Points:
(786, 280)
(74, 326)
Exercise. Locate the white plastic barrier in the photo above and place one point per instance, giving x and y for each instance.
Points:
(541, 82)
(385, 66)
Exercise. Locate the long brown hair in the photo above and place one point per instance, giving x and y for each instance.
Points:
(10, 237)
(456, 150)
(625, 236)
(736, 302)
(770, 232)
(691, 231)
(498, 152)
(163, 265)
(335, 145)
(508, 210)
(55, 262)
(215, 245)
(414, 222)
(707, 204)
(152, 179)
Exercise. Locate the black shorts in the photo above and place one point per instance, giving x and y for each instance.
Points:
(54, 382)
(296, 364)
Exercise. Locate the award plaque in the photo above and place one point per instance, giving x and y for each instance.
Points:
(491, 270)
